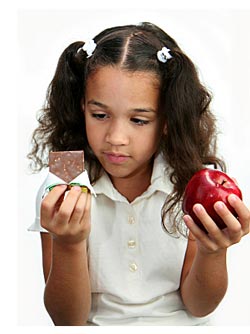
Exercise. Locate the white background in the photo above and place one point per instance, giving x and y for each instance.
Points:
(217, 40)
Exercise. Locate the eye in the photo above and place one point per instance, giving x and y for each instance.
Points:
(99, 116)
(139, 121)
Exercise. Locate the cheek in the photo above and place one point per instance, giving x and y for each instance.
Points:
(92, 135)
(95, 135)
(148, 142)
(90, 131)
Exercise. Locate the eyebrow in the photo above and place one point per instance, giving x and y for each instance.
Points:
(144, 110)
(98, 104)
(104, 106)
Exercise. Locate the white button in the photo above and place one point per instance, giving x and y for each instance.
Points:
(131, 244)
(133, 267)
(131, 220)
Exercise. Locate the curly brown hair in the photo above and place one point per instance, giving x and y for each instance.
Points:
(190, 141)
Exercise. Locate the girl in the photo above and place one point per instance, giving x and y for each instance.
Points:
(132, 100)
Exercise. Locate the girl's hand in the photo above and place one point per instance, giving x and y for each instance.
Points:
(67, 219)
(217, 240)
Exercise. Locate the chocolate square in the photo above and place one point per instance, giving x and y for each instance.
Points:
(67, 165)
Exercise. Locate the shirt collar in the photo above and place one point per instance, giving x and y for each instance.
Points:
(160, 181)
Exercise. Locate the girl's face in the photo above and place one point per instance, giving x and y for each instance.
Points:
(122, 121)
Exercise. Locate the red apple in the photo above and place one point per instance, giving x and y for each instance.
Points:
(206, 187)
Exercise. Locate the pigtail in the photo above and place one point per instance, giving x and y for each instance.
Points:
(61, 120)
(190, 141)
(190, 122)
(64, 99)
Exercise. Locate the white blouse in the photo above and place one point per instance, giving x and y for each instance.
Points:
(134, 265)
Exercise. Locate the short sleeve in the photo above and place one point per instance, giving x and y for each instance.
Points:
(36, 226)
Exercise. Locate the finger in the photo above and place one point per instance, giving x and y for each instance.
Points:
(219, 238)
(87, 211)
(67, 207)
(228, 218)
(79, 209)
(242, 211)
(201, 237)
(193, 227)
(80, 220)
(52, 201)
(233, 232)
(206, 220)
(88, 205)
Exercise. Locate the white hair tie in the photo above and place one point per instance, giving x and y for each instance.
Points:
(89, 47)
(163, 55)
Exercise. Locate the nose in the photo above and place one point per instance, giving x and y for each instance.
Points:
(117, 133)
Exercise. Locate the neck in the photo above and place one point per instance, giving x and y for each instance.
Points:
(133, 186)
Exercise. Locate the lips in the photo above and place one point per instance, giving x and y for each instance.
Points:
(116, 158)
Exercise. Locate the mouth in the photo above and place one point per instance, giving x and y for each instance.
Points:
(116, 158)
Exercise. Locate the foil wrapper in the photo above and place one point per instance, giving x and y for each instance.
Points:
(82, 180)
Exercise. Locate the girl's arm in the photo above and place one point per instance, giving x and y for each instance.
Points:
(204, 276)
(67, 294)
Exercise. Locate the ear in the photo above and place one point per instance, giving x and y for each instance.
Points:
(82, 105)
(165, 129)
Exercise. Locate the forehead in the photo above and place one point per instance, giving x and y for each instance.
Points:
(111, 82)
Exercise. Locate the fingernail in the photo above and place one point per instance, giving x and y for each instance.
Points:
(198, 207)
(186, 218)
(233, 198)
(219, 205)
(77, 188)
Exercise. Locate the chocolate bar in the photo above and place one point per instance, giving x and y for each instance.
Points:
(67, 165)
